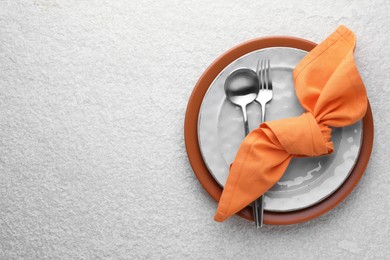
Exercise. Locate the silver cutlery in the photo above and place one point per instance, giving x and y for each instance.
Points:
(264, 96)
(241, 88)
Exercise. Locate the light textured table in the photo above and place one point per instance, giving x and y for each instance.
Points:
(92, 156)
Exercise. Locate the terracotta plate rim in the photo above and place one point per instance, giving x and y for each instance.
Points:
(200, 169)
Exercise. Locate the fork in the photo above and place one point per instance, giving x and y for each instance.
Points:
(265, 95)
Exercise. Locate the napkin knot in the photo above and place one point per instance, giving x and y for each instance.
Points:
(302, 135)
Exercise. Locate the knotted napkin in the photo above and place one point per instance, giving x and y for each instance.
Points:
(330, 89)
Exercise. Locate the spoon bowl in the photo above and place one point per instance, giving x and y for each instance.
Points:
(242, 87)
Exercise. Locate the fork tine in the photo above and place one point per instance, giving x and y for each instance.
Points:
(262, 74)
(269, 75)
(266, 73)
(258, 72)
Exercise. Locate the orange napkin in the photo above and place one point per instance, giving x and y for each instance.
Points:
(329, 87)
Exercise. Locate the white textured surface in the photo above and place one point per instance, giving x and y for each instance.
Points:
(92, 102)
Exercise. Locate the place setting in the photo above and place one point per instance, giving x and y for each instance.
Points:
(279, 130)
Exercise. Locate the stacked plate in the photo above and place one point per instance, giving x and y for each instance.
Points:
(214, 130)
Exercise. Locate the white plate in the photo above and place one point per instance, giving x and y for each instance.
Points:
(221, 130)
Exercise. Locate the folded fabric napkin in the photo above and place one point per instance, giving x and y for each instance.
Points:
(330, 89)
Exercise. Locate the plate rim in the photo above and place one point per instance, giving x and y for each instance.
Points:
(200, 169)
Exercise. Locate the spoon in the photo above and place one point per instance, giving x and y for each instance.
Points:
(241, 88)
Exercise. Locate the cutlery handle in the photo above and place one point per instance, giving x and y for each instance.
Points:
(256, 212)
(245, 120)
(260, 211)
(255, 204)
(260, 201)
(262, 113)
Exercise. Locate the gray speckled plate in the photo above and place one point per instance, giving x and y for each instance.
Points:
(221, 130)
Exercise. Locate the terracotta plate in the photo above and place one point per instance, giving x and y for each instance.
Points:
(199, 166)
(306, 181)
